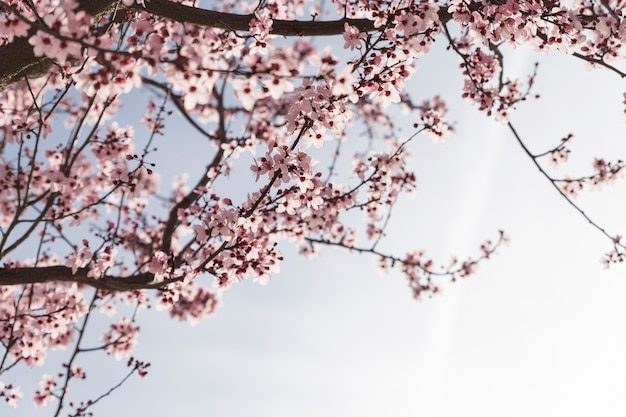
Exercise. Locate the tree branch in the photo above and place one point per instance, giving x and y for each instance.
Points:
(228, 21)
(559, 190)
(42, 275)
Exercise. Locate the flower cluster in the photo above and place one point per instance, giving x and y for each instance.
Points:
(313, 106)
(260, 28)
(43, 318)
(352, 37)
(11, 394)
(121, 339)
(605, 173)
(65, 27)
(45, 393)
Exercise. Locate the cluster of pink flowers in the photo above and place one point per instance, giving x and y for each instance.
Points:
(11, 26)
(605, 173)
(121, 339)
(313, 107)
(45, 393)
(353, 38)
(260, 28)
(433, 117)
(44, 317)
(11, 394)
(69, 27)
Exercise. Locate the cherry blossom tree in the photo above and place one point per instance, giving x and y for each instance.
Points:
(86, 227)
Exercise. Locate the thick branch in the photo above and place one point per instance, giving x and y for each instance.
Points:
(18, 61)
(186, 14)
(42, 275)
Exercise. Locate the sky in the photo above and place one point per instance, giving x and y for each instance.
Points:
(539, 330)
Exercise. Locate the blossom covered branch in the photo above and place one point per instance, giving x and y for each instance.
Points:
(101, 101)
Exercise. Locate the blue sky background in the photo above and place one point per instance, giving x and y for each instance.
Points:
(538, 331)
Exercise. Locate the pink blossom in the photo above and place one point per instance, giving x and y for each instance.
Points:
(571, 188)
(261, 24)
(559, 156)
(159, 266)
(44, 395)
(352, 37)
(105, 260)
(13, 397)
(12, 26)
(44, 44)
(79, 259)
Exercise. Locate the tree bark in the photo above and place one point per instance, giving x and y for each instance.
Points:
(42, 275)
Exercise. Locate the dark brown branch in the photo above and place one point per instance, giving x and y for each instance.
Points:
(228, 21)
(197, 192)
(17, 59)
(42, 275)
